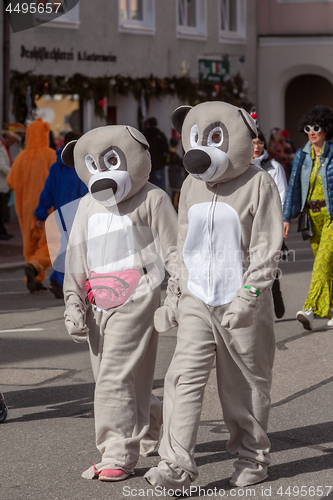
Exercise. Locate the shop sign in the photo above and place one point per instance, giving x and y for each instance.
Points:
(212, 70)
(56, 54)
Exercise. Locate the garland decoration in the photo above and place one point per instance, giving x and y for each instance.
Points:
(188, 90)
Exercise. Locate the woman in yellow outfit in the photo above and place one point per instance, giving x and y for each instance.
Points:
(311, 188)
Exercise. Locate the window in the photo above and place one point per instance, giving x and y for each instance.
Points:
(191, 22)
(65, 14)
(232, 20)
(137, 16)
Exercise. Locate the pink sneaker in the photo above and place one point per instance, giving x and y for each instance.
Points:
(112, 475)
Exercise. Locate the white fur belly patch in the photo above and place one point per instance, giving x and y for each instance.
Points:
(212, 252)
(110, 245)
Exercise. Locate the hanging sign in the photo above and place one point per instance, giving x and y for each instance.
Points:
(212, 70)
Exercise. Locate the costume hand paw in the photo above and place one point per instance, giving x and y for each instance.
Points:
(240, 313)
(75, 323)
(166, 317)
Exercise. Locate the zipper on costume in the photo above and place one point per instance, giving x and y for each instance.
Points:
(106, 238)
(210, 241)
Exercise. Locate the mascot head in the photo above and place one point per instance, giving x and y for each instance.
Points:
(217, 139)
(113, 162)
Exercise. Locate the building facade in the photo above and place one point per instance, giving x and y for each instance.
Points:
(125, 60)
(295, 63)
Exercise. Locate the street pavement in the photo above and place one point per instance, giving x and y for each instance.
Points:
(48, 438)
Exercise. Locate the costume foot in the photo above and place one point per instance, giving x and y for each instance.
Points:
(31, 274)
(247, 472)
(56, 289)
(306, 318)
(168, 476)
(106, 474)
(112, 475)
(3, 409)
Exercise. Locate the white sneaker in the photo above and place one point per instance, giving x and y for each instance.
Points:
(306, 318)
(330, 323)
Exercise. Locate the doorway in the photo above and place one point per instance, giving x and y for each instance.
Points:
(302, 93)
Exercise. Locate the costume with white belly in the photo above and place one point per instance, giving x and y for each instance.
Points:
(230, 235)
(123, 234)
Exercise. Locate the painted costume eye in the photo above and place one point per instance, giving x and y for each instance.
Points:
(112, 160)
(194, 136)
(215, 137)
(91, 164)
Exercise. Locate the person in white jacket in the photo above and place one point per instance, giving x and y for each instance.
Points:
(262, 159)
(7, 139)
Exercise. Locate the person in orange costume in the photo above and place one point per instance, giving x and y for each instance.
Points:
(27, 178)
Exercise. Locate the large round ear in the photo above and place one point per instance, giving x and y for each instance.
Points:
(67, 154)
(137, 136)
(178, 117)
(250, 123)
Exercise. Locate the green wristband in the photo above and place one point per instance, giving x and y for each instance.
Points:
(253, 290)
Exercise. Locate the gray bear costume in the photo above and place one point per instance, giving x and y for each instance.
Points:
(230, 235)
(124, 231)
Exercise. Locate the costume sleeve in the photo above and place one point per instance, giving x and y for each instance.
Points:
(46, 201)
(76, 258)
(266, 238)
(75, 278)
(166, 225)
(11, 177)
(263, 256)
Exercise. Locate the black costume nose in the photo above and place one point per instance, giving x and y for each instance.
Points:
(196, 161)
(103, 189)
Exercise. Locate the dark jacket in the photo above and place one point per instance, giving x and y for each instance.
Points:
(300, 180)
(158, 147)
(61, 187)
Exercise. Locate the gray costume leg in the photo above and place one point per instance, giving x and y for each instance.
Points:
(123, 346)
(244, 365)
(244, 361)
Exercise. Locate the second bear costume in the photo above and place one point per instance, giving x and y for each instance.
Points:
(230, 235)
(124, 230)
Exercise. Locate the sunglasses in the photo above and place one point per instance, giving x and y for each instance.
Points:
(316, 128)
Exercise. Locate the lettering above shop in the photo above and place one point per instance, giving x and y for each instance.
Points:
(42, 53)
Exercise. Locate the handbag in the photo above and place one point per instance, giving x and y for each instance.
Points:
(305, 224)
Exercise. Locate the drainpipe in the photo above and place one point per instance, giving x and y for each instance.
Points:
(6, 65)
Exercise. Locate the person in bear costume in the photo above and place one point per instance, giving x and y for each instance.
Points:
(230, 236)
(124, 232)
(27, 178)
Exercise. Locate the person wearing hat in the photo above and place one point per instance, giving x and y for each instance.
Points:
(9, 136)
